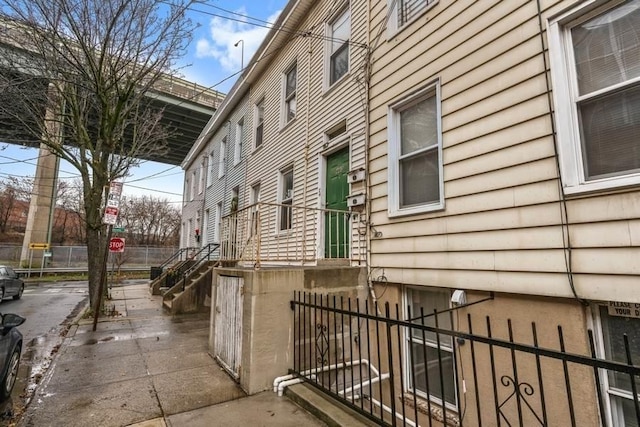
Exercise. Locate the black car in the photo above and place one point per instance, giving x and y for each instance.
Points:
(10, 349)
(10, 284)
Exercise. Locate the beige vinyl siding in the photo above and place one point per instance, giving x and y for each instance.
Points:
(501, 229)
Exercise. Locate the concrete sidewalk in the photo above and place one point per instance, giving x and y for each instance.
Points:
(146, 368)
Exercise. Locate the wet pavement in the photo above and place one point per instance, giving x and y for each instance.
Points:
(143, 366)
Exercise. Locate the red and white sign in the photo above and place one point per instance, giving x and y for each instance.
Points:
(110, 215)
(116, 244)
(113, 202)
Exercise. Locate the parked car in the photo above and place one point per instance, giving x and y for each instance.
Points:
(10, 284)
(10, 350)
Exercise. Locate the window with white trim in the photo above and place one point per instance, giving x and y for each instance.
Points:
(259, 121)
(210, 169)
(596, 87)
(338, 35)
(415, 154)
(223, 157)
(617, 386)
(237, 151)
(424, 354)
(290, 86)
(202, 173)
(205, 228)
(218, 223)
(286, 199)
(405, 11)
(192, 188)
(254, 202)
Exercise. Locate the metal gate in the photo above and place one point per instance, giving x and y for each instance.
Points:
(228, 323)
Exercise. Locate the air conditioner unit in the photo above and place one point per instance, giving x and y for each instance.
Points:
(356, 175)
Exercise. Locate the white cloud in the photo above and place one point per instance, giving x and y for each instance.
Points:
(225, 34)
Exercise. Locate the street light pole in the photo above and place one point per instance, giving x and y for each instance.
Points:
(241, 53)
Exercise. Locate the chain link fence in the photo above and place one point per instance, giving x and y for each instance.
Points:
(76, 256)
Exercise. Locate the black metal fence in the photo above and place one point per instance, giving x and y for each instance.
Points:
(407, 369)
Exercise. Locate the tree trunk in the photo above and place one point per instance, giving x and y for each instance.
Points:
(95, 254)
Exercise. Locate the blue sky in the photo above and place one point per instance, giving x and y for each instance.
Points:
(210, 59)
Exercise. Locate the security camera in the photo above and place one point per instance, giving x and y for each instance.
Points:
(459, 297)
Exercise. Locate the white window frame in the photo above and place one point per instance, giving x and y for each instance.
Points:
(223, 157)
(210, 169)
(192, 187)
(282, 200)
(202, 176)
(218, 223)
(289, 98)
(613, 412)
(408, 340)
(258, 131)
(394, 152)
(237, 151)
(187, 185)
(565, 103)
(394, 26)
(204, 233)
(329, 46)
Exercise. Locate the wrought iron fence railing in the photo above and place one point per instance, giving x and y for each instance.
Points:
(403, 368)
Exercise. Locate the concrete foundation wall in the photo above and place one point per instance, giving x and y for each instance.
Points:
(267, 340)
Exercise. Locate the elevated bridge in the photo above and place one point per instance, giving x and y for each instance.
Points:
(186, 107)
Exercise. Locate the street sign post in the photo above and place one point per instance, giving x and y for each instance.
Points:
(116, 244)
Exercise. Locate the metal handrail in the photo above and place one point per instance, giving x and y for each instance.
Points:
(174, 256)
(210, 248)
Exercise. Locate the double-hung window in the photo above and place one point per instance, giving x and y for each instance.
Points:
(286, 199)
(596, 88)
(617, 385)
(430, 362)
(192, 188)
(203, 173)
(210, 169)
(415, 154)
(223, 157)
(339, 32)
(259, 121)
(237, 151)
(405, 11)
(290, 86)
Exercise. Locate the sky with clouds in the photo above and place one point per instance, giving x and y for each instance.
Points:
(210, 60)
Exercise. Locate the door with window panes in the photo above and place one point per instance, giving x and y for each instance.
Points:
(336, 227)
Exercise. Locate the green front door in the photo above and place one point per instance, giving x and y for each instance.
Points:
(336, 226)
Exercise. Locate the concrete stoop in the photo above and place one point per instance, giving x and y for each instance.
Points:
(325, 408)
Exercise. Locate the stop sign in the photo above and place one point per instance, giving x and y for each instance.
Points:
(116, 244)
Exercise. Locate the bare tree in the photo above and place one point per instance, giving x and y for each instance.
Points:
(12, 191)
(150, 221)
(72, 227)
(75, 78)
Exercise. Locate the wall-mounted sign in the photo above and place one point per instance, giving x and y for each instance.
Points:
(113, 202)
(624, 309)
(38, 246)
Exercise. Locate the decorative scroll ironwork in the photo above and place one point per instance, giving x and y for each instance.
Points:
(520, 392)
(322, 343)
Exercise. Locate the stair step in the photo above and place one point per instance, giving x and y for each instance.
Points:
(324, 407)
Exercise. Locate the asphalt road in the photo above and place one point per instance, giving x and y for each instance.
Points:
(48, 308)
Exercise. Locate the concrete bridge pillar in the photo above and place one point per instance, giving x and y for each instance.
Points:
(41, 207)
